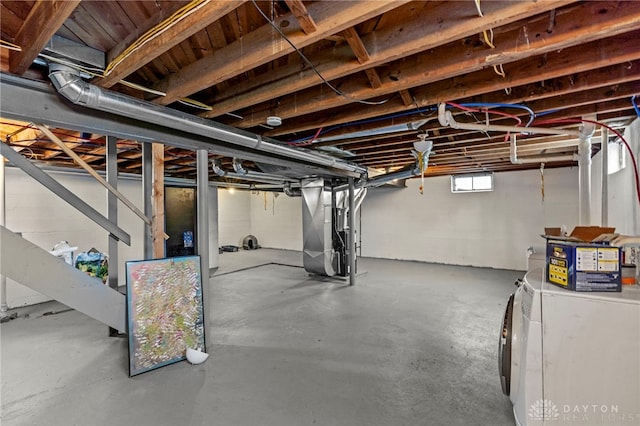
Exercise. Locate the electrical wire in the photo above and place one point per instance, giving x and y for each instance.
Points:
(422, 111)
(466, 107)
(532, 115)
(498, 69)
(10, 46)
(92, 72)
(94, 142)
(87, 70)
(142, 88)
(551, 111)
(487, 111)
(635, 105)
(313, 67)
(306, 142)
(617, 133)
(149, 35)
(196, 104)
(154, 32)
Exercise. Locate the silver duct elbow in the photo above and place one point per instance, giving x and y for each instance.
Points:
(237, 166)
(291, 192)
(217, 169)
(69, 84)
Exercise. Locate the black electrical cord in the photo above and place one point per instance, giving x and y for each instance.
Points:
(315, 70)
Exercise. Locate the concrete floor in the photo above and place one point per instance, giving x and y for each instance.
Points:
(410, 344)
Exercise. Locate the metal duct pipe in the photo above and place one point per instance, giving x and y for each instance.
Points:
(291, 192)
(217, 169)
(69, 84)
(317, 228)
(237, 166)
(584, 173)
(360, 194)
(446, 119)
(540, 159)
(382, 179)
(422, 148)
(247, 175)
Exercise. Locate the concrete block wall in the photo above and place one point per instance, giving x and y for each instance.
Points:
(45, 219)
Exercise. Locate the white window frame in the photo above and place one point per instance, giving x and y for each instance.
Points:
(456, 190)
(616, 156)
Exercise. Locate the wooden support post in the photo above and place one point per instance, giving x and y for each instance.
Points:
(157, 197)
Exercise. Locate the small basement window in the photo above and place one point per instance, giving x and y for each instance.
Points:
(480, 182)
(616, 157)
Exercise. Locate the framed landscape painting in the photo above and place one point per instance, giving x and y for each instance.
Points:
(164, 311)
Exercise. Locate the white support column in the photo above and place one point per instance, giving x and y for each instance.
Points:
(604, 148)
(352, 233)
(584, 170)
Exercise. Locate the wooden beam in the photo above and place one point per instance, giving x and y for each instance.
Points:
(4, 60)
(581, 58)
(374, 78)
(265, 44)
(302, 15)
(406, 97)
(356, 44)
(434, 26)
(449, 63)
(93, 173)
(45, 18)
(204, 16)
(157, 196)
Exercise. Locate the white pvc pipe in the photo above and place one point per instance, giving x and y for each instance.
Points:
(3, 209)
(540, 159)
(446, 119)
(604, 148)
(584, 174)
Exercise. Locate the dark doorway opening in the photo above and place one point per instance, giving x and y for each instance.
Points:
(180, 221)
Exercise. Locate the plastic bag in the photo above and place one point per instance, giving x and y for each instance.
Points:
(93, 263)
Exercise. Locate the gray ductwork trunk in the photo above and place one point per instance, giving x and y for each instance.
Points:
(69, 84)
(322, 218)
(318, 254)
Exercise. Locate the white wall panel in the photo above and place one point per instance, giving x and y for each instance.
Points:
(234, 215)
(624, 210)
(489, 229)
(277, 223)
(45, 219)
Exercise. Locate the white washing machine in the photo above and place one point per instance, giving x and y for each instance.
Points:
(571, 358)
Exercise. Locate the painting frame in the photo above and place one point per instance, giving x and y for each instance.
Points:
(165, 311)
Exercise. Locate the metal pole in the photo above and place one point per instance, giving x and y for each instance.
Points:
(147, 188)
(3, 210)
(62, 192)
(584, 171)
(112, 215)
(202, 200)
(604, 148)
(352, 233)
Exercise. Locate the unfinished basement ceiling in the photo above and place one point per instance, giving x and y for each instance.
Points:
(363, 81)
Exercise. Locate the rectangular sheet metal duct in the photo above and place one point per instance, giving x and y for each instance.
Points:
(318, 252)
